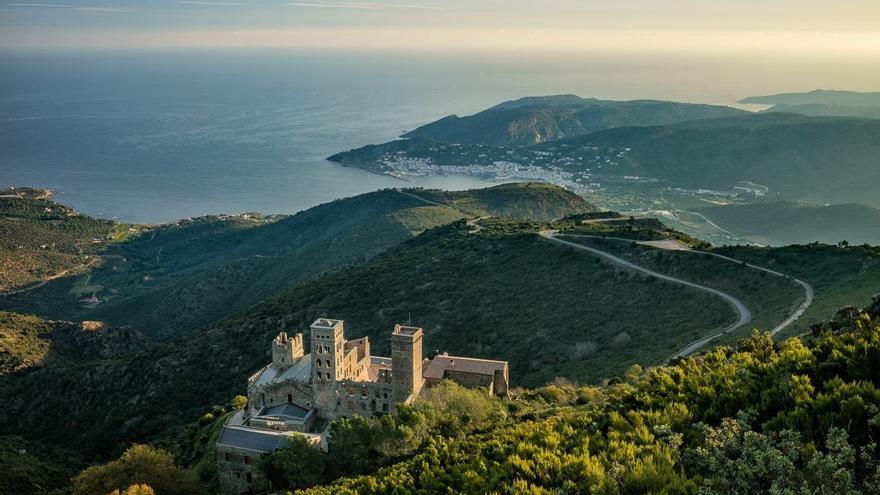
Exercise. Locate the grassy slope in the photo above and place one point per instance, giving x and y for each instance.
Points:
(771, 299)
(40, 238)
(840, 277)
(180, 276)
(782, 222)
(753, 418)
(22, 341)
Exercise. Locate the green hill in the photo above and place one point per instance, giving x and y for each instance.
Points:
(498, 292)
(795, 417)
(785, 222)
(827, 160)
(818, 159)
(176, 277)
(40, 239)
(532, 120)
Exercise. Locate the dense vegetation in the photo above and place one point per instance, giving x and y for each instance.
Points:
(28, 342)
(40, 238)
(177, 277)
(795, 417)
(549, 310)
(533, 120)
(784, 222)
(799, 417)
(771, 299)
(495, 289)
(841, 276)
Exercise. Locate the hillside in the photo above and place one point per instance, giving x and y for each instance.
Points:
(827, 103)
(41, 239)
(533, 120)
(176, 277)
(784, 222)
(795, 417)
(796, 157)
(501, 291)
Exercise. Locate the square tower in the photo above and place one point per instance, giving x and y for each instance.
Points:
(406, 362)
(286, 351)
(327, 346)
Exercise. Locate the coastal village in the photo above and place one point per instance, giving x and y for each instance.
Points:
(299, 393)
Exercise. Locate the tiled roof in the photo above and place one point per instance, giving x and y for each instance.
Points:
(438, 366)
(251, 439)
(290, 410)
(301, 371)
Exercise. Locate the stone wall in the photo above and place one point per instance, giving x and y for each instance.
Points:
(237, 471)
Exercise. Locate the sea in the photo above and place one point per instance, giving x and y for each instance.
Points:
(152, 137)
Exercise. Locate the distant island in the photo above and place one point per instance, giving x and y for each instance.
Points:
(822, 102)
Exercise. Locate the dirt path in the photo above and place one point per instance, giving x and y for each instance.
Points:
(37, 285)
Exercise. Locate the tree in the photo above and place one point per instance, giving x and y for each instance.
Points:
(139, 465)
(139, 489)
(239, 402)
(298, 465)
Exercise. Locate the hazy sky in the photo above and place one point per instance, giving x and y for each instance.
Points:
(801, 28)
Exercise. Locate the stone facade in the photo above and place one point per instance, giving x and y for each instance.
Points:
(299, 393)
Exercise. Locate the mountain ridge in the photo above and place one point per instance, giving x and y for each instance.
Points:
(537, 119)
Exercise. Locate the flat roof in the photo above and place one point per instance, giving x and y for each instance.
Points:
(326, 323)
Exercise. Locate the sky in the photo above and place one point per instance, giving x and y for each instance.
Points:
(848, 29)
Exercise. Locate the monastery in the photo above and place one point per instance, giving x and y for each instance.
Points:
(300, 393)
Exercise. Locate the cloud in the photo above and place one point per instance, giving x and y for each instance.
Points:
(83, 8)
(363, 5)
(213, 4)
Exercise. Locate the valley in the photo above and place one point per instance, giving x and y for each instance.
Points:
(474, 269)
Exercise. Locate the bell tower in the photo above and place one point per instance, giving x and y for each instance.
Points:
(406, 362)
(327, 347)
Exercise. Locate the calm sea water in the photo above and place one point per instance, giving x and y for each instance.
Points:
(152, 137)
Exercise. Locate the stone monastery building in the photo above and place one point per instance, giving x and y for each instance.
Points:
(299, 393)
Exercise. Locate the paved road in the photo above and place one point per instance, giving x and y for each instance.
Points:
(745, 315)
(689, 349)
(801, 309)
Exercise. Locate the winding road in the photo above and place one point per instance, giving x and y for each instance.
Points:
(745, 315)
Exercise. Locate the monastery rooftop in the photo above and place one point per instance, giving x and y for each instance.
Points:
(438, 366)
